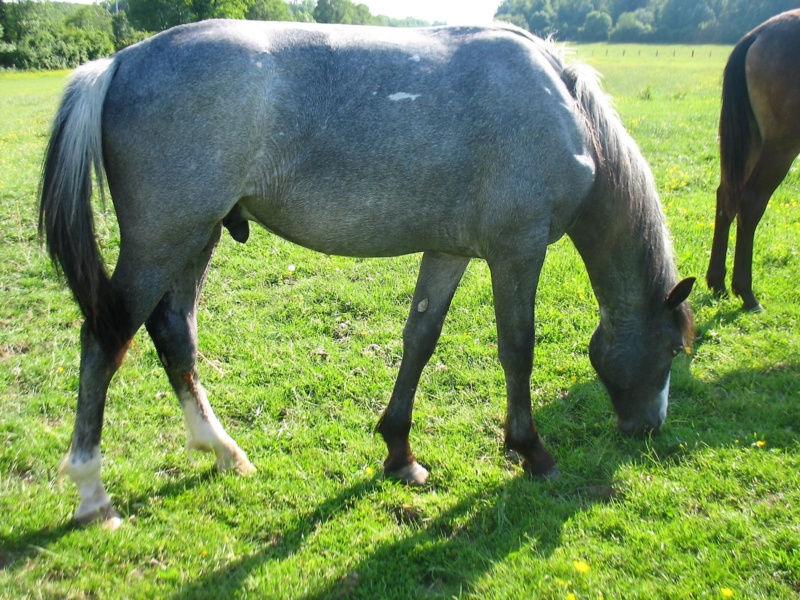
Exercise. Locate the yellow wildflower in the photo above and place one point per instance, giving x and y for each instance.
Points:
(581, 566)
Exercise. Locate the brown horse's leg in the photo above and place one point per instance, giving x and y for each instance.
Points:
(514, 284)
(173, 328)
(768, 173)
(438, 279)
(715, 276)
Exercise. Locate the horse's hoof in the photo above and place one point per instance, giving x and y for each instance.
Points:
(229, 457)
(244, 467)
(105, 516)
(551, 474)
(720, 293)
(753, 308)
(413, 474)
(238, 463)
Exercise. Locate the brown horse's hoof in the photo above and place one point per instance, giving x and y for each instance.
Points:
(749, 301)
(719, 292)
(551, 474)
(753, 307)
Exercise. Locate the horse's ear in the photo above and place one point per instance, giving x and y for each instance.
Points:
(679, 293)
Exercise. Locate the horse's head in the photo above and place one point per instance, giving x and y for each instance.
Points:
(633, 356)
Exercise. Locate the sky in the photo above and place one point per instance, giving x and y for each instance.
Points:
(454, 12)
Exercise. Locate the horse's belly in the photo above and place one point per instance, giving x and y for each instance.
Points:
(346, 229)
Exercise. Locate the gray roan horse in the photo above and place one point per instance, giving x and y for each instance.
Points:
(759, 138)
(458, 143)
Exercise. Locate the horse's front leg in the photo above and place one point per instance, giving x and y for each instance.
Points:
(514, 286)
(438, 279)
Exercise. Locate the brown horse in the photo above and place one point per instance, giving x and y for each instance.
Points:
(759, 138)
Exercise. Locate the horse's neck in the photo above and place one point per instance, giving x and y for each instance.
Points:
(617, 248)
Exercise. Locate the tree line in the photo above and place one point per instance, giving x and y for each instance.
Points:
(643, 21)
(56, 35)
(60, 35)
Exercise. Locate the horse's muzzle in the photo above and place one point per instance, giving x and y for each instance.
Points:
(637, 428)
(650, 419)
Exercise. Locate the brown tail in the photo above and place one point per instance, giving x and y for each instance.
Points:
(737, 126)
(65, 211)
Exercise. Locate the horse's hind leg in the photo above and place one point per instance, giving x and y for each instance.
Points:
(173, 328)
(438, 279)
(768, 173)
(715, 276)
(98, 366)
(83, 462)
(145, 278)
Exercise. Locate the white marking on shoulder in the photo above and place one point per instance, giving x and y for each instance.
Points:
(398, 96)
(414, 58)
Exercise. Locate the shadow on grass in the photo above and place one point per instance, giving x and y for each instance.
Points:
(442, 555)
(448, 554)
(17, 548)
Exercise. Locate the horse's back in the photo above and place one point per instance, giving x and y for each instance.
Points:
(352, 140)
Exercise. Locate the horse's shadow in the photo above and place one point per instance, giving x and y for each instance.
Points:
(444, 555)
(449, 553)
(19, 545)
(440, 556)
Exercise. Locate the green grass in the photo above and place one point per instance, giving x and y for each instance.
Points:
(299, 364)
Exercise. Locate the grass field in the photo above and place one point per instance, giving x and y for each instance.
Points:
(299, 355)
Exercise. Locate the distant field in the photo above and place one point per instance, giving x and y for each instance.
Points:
(300, 351)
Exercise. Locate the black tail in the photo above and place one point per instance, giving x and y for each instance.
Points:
(65, 212)
(737, 127)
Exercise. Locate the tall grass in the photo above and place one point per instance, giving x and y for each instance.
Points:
(299, 355)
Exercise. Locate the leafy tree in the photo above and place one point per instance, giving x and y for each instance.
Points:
(302, 10)
(201, 10)
(90, 16)
(343, 11)
(596, 27)
(157, 15)
(269, 10)
(630, 28)
(685, 19)
(617, 7)
(515, 19)
(541, 22)
(124, 33)
(571, 16)
(331, 11)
